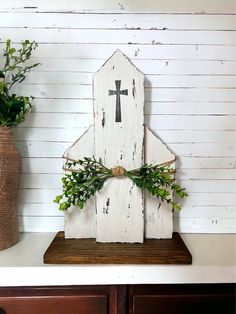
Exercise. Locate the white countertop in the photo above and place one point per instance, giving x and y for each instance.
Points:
(214, 261)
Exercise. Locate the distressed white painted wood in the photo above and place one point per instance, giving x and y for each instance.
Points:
(190, 108)
(160, 80)
(175, 6)
(218, 168)
(216, 225)
(168, 136)
(216, 204)
(170, 94)
(118, 127)
(53, 181)
(119, 21)
(190, 96)
(133, 36)
(137, 51)
(41, 224)
(158, 216)
(185, 225)
(81, 223)
(205, 149)
(57, 120)
(193, 122)
(149, 67)
(211, 199)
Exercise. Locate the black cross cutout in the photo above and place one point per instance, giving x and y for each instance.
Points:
(118, 92)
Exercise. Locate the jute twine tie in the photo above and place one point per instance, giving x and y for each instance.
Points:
(118, 171)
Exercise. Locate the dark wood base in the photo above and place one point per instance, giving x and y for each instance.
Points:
(88, 251)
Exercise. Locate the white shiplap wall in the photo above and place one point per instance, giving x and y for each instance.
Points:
(187, 51)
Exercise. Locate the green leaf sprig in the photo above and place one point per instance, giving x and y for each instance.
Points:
(13, 108)
(14, 70)
(87, 176)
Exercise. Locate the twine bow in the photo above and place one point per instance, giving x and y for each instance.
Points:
(118, 171)
(88, 175)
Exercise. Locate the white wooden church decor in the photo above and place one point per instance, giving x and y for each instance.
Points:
(120, 211)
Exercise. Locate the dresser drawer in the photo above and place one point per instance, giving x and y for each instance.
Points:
(182, 299)
(54, 301)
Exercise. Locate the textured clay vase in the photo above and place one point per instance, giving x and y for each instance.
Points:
(10, 168)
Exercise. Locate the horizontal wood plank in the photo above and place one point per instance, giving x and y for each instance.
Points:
(207, 185)
(191, 122)
(54, 165)
(208, 210)
(151, 94)
(154, 80)
(39, 197)
(204, 149)
(45, 181)
(58, 120)
(186, 225)
(39, 210)
(39, 134)
(137, 51)
(81, 251)
(41, 224)
(168, 136)
(210, 108)
(148, 67)
(205, 225)
(175, 6)
(156, 37)
(119, 21)
(158, 122)
(192, 150)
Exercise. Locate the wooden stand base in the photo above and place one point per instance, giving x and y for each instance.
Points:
(88, 251)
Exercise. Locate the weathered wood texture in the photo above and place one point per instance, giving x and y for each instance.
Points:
(169, 6)
(119, 140)
(186, 49)
(158, 216)
(88, 251)
(119, 134)
(81, 223)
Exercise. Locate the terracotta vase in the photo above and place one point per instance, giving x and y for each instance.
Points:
(10, 168)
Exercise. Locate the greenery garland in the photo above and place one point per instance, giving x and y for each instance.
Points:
(84, 181)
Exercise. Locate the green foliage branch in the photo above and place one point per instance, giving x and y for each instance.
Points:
(13, 108)
(87, 176)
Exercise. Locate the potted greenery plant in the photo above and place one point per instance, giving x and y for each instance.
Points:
(13, 109)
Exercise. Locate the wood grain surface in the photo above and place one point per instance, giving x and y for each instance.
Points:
(118, 138)
(88, 251)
